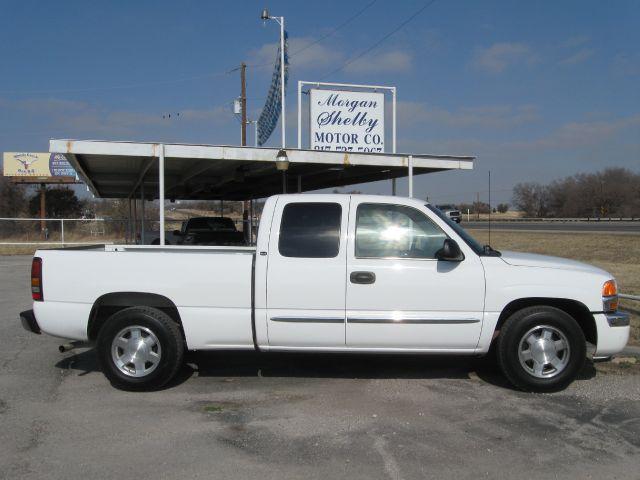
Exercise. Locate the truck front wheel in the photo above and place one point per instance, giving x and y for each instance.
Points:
(140, 348)
(541, 349)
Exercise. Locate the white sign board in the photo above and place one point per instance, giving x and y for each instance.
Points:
(346, 121)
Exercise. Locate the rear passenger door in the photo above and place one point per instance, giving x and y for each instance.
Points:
(306, 272)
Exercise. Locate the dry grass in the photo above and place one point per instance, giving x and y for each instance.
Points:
(617, 254)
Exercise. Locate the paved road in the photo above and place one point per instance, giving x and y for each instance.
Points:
(587, 227)
(247, 416)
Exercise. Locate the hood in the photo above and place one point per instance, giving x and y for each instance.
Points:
(545, 261)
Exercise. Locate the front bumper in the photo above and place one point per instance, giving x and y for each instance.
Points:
(613, 333)
(29, 322)
(618, 319)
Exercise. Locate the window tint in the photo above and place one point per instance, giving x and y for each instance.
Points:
(310, 230)
(395, 231)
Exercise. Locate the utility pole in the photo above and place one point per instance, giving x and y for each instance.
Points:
(478, 206)
(243, 103)
(43, 212)
(246, 227)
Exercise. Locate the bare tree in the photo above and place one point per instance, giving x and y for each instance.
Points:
(531, 198)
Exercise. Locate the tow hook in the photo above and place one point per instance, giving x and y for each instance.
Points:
(66, 347)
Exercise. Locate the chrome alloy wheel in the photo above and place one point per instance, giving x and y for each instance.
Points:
(544, 351)
(136, 351)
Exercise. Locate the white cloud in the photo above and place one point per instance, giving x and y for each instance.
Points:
(500, 56)
(302, 56)
(488, 116)
(576, 135)
(394, 61)
(578, 57)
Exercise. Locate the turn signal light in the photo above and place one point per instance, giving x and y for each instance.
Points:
(610, 296)
(609, 289)
(36, 279)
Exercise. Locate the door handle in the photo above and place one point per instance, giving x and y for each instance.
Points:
(364, 278)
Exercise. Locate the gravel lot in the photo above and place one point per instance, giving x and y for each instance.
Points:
(301, 416)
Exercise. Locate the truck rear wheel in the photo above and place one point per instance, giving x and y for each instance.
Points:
(140, 348)
(541, 349)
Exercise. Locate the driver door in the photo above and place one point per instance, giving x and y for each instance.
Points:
(399, 296)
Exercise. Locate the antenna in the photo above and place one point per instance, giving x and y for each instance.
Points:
(489, 207)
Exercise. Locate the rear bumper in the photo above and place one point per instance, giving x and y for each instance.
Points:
(29, 322)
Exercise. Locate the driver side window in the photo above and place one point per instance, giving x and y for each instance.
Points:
(395, 231)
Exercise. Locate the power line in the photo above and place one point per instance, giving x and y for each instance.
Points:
(343, 24)
(327, 35)
(117, 87)
(383, 39)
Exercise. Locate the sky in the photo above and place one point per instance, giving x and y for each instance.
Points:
(535, 90)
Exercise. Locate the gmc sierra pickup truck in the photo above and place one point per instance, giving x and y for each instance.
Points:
(330, 273)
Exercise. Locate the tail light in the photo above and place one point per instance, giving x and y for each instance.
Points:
(36, 279)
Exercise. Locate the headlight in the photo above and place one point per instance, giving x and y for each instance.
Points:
(610, 296)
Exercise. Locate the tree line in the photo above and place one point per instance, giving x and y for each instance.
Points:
(612, 192)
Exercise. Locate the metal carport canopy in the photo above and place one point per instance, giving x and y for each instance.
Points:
(209, 172)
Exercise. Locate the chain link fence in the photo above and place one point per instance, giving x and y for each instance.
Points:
(62, 231)
(89, 231)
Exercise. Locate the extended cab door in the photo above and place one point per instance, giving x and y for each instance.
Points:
(398, 295)
(306, 272)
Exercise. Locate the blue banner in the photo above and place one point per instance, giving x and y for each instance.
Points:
(272, 106)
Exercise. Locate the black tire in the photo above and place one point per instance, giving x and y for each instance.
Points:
(518, 326)
(166, 332)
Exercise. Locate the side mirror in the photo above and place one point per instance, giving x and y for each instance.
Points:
(177, 233)
(450, 251)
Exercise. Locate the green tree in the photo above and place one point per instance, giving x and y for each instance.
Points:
(12, 198)
(59, 203)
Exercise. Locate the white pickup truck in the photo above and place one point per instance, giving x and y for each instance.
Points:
(330, 273)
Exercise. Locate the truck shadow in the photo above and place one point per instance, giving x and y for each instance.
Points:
(330, 366)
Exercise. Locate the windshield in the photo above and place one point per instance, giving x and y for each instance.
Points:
(468, 239)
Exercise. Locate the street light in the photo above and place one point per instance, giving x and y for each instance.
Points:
(282, 161)
(282, 164)
(264, 17)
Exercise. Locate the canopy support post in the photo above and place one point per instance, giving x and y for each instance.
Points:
(161, 191)
(393, 134)
(250, 222)
(410, 162)
(142, 214)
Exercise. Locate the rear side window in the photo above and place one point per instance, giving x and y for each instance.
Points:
(310, 230)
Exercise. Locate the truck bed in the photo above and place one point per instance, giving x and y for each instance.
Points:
(208, 285)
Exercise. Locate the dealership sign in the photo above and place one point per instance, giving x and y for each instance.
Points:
(346, 121)
(40, 165)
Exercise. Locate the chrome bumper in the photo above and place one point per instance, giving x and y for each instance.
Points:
(618, 319)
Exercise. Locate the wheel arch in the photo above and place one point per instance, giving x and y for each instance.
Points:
(576, 309)
(110, 303)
